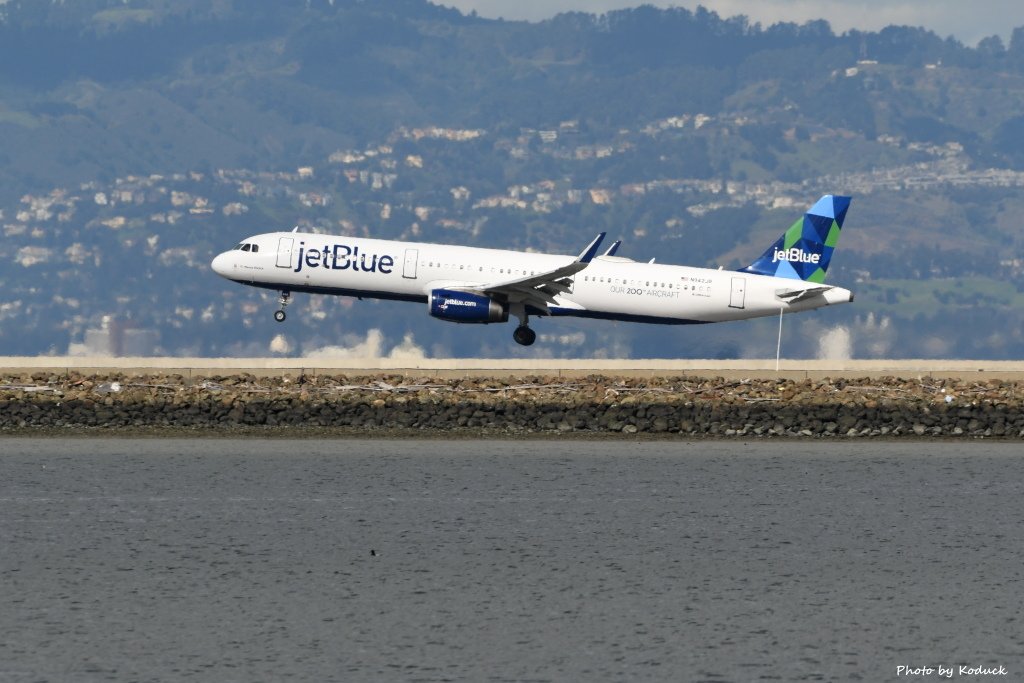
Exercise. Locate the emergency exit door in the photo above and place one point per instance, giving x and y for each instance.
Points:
(412, 256)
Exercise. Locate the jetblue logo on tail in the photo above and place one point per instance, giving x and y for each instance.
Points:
(804, 251)
(795, 255)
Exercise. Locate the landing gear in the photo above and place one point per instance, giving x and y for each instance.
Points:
(279, 316)
(524, 335)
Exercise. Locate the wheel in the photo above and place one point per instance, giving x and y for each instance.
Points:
(524, 335)
(279, 316)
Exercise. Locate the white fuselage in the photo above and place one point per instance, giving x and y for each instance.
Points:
(608, 287)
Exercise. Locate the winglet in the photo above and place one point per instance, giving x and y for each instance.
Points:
(614, 248)
(591, 251)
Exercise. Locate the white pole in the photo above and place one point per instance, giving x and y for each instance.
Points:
(778, 346)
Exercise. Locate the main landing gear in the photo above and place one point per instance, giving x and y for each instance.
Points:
(279, 316)
(523, 334)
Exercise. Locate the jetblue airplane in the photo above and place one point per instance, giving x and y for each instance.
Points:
(474, 285)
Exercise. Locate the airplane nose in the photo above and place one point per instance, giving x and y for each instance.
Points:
(220, 264)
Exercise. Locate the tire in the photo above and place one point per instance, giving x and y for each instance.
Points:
(524, 336)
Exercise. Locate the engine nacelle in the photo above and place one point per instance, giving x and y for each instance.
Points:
(465, 307)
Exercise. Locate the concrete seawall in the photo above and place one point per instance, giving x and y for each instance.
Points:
(490, 398)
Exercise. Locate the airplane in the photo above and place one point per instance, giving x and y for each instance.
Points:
(476, 285)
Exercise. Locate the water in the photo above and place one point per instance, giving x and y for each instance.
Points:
(318, 560)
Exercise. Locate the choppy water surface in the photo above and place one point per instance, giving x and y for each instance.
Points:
(247, 560)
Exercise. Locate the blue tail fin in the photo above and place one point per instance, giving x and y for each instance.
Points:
(804, 251)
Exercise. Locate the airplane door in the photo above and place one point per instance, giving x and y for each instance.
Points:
(738, 295)
(412, 257)
(284, 252)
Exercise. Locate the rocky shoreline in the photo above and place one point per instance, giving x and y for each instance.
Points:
(692, 407)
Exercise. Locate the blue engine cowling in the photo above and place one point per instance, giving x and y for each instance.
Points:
(465, 307)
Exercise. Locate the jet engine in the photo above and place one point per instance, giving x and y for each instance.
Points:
(466, 307)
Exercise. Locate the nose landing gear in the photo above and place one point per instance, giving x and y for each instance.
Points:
(279, 316)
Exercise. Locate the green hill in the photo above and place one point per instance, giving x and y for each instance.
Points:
(696, 138)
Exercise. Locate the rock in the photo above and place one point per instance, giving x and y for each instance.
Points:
(859, 407)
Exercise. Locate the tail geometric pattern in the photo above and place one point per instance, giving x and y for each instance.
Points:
(804, 251)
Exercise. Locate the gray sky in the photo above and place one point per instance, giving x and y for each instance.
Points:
(968, 20)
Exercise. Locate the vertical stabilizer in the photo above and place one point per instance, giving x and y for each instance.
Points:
(804, 251)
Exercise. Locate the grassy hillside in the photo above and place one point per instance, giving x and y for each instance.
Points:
(150, 135)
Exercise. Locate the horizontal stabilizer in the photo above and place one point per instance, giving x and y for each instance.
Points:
(791, 296)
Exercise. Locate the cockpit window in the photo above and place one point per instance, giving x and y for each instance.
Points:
(239, 247)
(246, 247)
(255, 248)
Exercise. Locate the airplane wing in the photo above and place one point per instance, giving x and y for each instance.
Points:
(793, 295)
(541, 289)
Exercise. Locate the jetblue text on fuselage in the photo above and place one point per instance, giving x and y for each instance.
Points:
(343, 257)
(795, 255)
